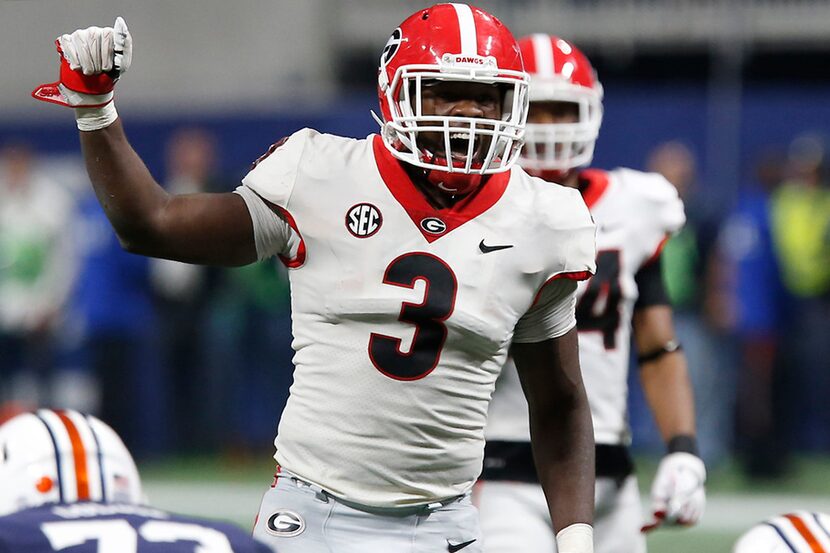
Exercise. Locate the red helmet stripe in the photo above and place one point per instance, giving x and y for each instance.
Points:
(467, 28)
(543, 54)
(78, 454)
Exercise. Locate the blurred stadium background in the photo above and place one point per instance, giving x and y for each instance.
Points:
(728, 98)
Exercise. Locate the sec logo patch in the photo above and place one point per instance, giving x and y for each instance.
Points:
(363, 220)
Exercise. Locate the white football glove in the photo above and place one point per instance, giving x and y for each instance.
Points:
(92, 60)
(677, 493)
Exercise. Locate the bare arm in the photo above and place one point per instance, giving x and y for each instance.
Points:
(678, 495)
(560, 426)
(211, 229)
(665, 379)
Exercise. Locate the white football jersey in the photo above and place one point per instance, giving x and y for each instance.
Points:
(634, 212)
(403, 313)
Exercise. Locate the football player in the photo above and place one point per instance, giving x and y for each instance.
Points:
(635, 212)
(414, 263)
(69, 482)
(798, 532)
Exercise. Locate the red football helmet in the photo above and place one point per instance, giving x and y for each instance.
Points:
(452, 42)
(560, 73)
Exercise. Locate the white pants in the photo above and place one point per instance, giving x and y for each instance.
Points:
(515, 517)
(297, 517)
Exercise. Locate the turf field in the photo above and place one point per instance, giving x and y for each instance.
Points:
(232, 489)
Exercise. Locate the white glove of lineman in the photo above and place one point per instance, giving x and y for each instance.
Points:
(92, 60)
(677, 494)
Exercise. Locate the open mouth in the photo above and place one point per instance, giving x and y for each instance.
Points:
(460, 147)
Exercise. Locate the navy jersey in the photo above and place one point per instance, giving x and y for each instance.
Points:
(116, 528)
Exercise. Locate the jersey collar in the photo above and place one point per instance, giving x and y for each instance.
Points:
(416, 205)
(592, 185)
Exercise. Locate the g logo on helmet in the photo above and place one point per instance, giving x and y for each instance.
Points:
(285, 524)
(389, 51)
(391, 47)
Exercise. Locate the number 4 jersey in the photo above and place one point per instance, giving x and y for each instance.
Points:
(635, 213)
(403, 313)
(115, 528)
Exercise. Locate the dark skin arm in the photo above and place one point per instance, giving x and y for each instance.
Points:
(665, 380)
(209, 229)
(560, 426)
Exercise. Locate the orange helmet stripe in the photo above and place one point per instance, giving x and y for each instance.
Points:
(806, 533)
(78, 454)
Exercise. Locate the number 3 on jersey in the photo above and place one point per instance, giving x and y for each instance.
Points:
(599, 308)
(428, 317)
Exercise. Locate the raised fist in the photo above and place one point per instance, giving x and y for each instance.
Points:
(92, 60)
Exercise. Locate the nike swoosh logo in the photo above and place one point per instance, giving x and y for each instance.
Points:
(487, 249)
(455, 547)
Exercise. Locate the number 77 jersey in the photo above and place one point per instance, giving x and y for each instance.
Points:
(403, 313)
(90, 527)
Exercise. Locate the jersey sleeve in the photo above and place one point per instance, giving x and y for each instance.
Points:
(663, 201)
(273, 235)
(569, 234)
(274, 174)
(267, 190)
(551, 316)
(662, 209)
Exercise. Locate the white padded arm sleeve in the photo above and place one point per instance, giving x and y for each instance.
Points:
(272, 235)
(551, 316)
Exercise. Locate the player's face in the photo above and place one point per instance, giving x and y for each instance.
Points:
(553, 113)
(459, 99)
(550, 113)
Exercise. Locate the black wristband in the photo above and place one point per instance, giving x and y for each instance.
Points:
(683, 443)
(669, 347)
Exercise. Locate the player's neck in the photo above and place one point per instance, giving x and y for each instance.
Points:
(571, 179)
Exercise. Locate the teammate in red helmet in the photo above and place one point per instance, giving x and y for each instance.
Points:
(635, 213)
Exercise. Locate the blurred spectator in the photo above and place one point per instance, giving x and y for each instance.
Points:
(751, 310)
(183, 292)
(251, 351)
(801, 236)
(36, 272)
(111, 334)
(688, 272)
